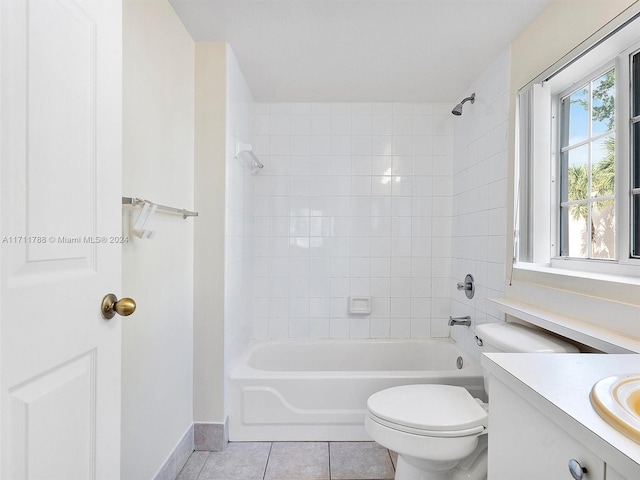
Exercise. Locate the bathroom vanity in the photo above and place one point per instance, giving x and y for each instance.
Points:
(541, 417)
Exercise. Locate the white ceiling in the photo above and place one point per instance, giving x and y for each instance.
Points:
(360, 50)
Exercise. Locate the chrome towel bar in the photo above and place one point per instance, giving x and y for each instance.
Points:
(138, 201)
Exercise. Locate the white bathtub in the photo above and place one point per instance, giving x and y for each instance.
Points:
(318, 389)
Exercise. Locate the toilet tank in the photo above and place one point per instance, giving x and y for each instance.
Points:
(516, 338)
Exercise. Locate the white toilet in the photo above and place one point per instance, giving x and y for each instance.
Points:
(439, 431)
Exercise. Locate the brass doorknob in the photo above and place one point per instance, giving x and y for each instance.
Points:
(111, 305)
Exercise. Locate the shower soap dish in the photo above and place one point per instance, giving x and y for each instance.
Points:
(360, 305)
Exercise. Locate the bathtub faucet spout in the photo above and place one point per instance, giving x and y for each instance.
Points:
(466, 321)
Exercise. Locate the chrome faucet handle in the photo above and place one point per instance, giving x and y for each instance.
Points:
(468, 286)
(466, 321)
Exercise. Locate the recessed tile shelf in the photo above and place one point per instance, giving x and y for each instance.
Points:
(586, 333)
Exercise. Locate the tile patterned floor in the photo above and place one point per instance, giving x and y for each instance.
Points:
(292, 461)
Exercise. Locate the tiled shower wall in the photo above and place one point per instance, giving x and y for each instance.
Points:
(354, 200)
(480, 199)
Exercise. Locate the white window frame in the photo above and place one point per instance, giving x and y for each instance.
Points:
(538, 229)
(557, 160)
(629, 113)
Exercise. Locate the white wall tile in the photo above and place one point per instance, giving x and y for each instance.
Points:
(280, 145)
(421, 287)
(400, 327)
(401, 267)
(361, 145)
(319, 287)
(280, 124)
(402, 165)
(402, 108)
(421, 247)
(400, 246)
(361, 206)
(300, 108)
(381, 287)
(339, 328)
(341, 109)
(319, 328)
(381, 246)
(345, 206)
(280, 108)
(341, 125)
(299, 327)
(420, 327)
(402, 145)
(339, 305)
(381, 165)
(361, 108)
(381, 185)
(339, 164)
(401, 206)
(361, 125)
(382, 108)
(478, 210)
(382, 125)
(380, 327)
(382, 145)
(299, 307)
(278, 327)
(381, 267)
(400, 288)
(318, 145)
(262, 108)
(319, 307)
(402, 185)
(321, 109)
(299, 145)
(360, 246)
(320, 125)
(361, 165)
(341, 145)
(403, 125)
(423, 108)
(382, 206)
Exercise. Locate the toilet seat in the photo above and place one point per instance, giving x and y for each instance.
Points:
(428, 433)
(428, 410)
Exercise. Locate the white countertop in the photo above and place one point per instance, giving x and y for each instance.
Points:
(558, 385)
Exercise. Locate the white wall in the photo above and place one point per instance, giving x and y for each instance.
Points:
(157, 340)
(209, 244)
(480, 198)
(354, 199)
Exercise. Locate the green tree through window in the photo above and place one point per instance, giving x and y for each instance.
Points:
(590, 184)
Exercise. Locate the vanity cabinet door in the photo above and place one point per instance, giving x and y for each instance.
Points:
(526, 445)
(612, 474)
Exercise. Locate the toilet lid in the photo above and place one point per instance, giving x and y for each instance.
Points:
(428, 407)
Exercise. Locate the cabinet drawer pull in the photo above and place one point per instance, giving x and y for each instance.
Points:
(576, 469)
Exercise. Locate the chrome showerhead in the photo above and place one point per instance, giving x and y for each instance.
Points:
(457, 110)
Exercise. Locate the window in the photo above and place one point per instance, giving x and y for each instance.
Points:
(635, 156)
(578, 161)
(587, 169)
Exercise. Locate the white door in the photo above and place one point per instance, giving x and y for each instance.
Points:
(60, 147)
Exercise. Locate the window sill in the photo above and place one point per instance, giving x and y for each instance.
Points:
(569, 327)
(581, 274)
